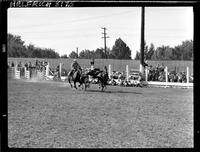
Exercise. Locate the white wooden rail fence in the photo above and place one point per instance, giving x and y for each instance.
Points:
(45, 75)
(166, 83)
(17, 73)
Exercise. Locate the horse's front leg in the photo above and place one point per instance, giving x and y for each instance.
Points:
(105, 86)
(102, 87)
(82, 86)
(70, 83)
(75, 85)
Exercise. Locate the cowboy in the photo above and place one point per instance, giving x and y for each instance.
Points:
(105, 75)
(94, 71)
(92, 64)
(74, 67)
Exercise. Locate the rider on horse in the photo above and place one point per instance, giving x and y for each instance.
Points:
(74, 67)
(77, 75)
(93, 72)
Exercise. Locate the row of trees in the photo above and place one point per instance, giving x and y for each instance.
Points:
(17, 48)
(180, 52)
(120, 50)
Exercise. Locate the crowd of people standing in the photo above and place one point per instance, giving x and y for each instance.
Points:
(28, 65)
(39, 65)
(158, 73)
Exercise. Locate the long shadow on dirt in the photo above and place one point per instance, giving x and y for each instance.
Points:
(114, 91)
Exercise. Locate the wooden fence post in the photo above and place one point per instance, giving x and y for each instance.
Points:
(47, 69)
(166, 74)
(109, 71)
(60, 70)
(141, 68)
(187, 75)
(146, 73)
(26, 73)
(17, 73)
(127, 72)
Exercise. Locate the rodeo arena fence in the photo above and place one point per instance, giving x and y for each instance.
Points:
(43, 73)
(135, 78)
(127, 78)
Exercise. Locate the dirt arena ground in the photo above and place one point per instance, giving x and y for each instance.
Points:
(52, 115)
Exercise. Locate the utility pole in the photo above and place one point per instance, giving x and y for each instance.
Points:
(142, 40)
(104, 36)
(77, 51)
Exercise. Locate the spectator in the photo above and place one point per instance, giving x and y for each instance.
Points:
(26, 65)
(158, 65)
(151, 73)
(19, 65)
(29, 65)
(57, 68)
(92, 64)
(162, 68)
(36, 64)
(12, 64)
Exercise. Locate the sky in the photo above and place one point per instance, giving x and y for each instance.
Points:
(65, 29)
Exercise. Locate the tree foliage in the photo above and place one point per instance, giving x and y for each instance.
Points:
(146, 52)
(120, 50)
(73, 55)
(64, 56)
(150, 52)
(17, 48)
(99, 53)
(180, 52)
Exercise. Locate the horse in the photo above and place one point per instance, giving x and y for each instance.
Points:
(78, 76)
(84, 79)
(102, 77)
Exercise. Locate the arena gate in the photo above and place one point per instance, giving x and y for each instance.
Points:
(44, 74)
